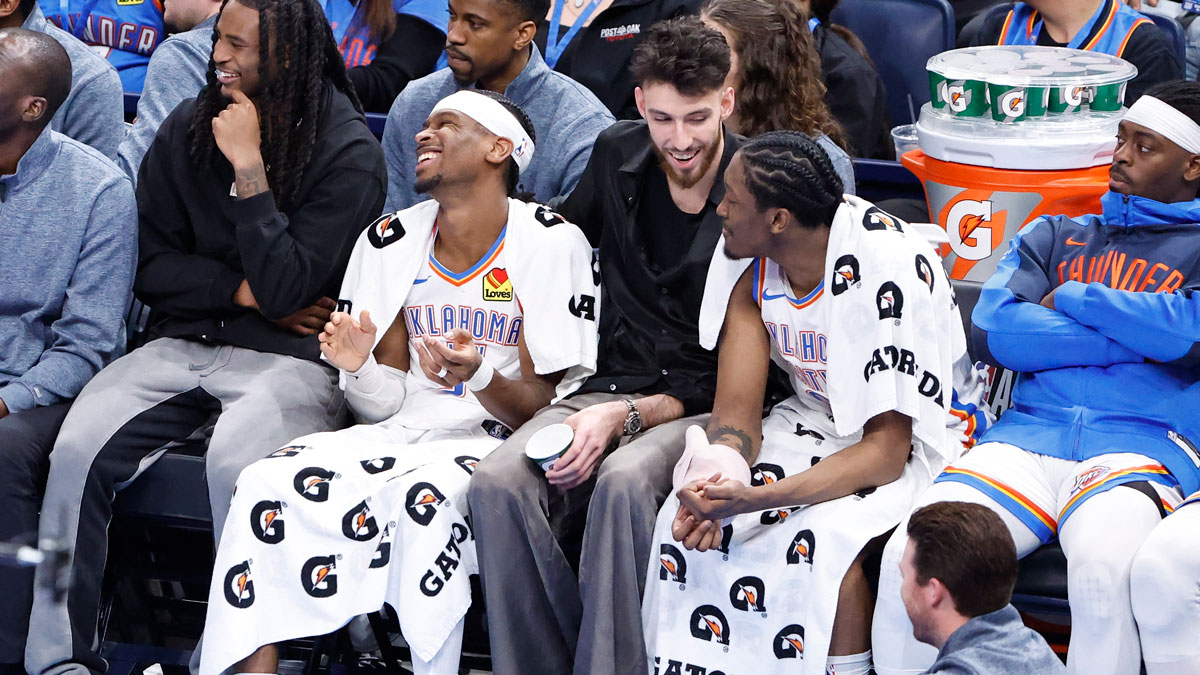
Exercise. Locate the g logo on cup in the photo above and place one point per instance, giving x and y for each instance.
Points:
(548, 444)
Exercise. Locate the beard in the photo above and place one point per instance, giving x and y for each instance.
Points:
(689, 178)
(424, 186)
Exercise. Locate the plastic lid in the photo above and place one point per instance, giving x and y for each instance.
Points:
(549, 441)
(1031, 66)
(1053, 143)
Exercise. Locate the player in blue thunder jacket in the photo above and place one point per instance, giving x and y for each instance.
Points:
(1100, 317)
(125, 32)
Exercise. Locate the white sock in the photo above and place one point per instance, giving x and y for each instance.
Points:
(851, 664)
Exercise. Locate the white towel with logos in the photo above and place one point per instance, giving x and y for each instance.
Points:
(551, 265)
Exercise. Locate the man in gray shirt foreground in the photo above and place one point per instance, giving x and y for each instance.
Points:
(959, 569)
(66, 271)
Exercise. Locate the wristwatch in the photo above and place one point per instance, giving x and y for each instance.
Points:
(633, 422)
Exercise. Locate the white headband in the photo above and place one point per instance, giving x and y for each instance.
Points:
(495, 118)
(1162, 118)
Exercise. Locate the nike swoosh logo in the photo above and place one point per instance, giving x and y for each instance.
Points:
(768, 296)
(1071, 242)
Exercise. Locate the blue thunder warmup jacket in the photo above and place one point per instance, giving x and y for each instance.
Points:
(125, 32)
(1116, 367)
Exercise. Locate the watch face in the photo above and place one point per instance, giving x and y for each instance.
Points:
(633, 425)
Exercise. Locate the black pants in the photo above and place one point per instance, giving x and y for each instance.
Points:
(26, 439)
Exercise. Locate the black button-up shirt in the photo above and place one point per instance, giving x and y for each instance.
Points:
(649, 335)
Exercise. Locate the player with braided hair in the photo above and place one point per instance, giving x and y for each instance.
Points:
(790, 506)
(250, 199)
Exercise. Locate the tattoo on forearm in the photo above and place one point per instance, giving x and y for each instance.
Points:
(250, 181)
(735, 438)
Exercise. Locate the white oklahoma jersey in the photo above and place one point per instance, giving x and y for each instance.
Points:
(481, 301)
(797, 329)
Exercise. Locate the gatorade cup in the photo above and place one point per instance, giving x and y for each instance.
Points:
(966, 98)
(548, 444)
(1108, 97)
(1014, 104)
(1068, 99)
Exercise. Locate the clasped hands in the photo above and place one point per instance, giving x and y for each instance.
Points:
(702, 506)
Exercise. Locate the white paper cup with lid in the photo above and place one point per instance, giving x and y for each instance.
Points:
(549, 443)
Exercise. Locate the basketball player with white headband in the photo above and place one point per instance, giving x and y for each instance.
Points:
(1097, 315)
(455, 327)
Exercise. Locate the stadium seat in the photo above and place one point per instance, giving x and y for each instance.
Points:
(900, 36)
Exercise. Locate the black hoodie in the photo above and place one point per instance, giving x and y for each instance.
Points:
(196, 242)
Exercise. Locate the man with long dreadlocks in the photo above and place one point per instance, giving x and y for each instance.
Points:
(757, 561)
(250, 200)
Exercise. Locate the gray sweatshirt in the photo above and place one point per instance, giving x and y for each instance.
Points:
(94, 112)
(176, 72)
(566, 119)
(997, 643)
(68, 243)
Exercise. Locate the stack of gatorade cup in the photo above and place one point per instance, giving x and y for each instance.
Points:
(1011, 133)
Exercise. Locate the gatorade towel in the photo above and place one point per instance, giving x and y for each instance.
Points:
(353, 36)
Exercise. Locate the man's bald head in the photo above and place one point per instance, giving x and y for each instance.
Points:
(34, 65)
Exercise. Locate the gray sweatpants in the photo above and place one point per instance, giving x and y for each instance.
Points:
(540, 618)
(122, 422)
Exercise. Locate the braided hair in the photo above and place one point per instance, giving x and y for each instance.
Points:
(788, 170)
(513, 176)
(295, 73)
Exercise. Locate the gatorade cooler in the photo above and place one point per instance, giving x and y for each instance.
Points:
(1013, 133)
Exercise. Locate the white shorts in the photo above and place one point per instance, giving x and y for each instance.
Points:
(1043, 491)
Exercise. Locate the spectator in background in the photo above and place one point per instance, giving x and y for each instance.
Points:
(68, 239)
(489, 45)
(592, 41)
(775, 75)
(240, 263)
(853, 90)
(1105, 26)
(92, 112)
(129, 30)
(176, 72)
(959, 569)
(387, 44)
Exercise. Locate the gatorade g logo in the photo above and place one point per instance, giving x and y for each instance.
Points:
(239, 589)
(969, 226)
(709, 624)
(748, 594)
(671, 565)
(765, 474)
(957, 97)
(803, 431)
(383, 552)
(385, 230)
(312, 483)
(317, 576)
(266, 521)
(1075, 96)
(467, 463)
(925, 271)
(845, 274)
(1012, 103)
(890, 301)
(422, 502)
(358, 523)
(777, 516)
(874, 220)
(802, 548)
(547, 217)
(378, 465)
(789, 642)
(726, 537)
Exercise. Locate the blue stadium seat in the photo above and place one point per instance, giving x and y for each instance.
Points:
(900, 36)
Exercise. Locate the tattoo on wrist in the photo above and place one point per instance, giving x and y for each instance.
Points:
(735, 438)
(250, 181)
